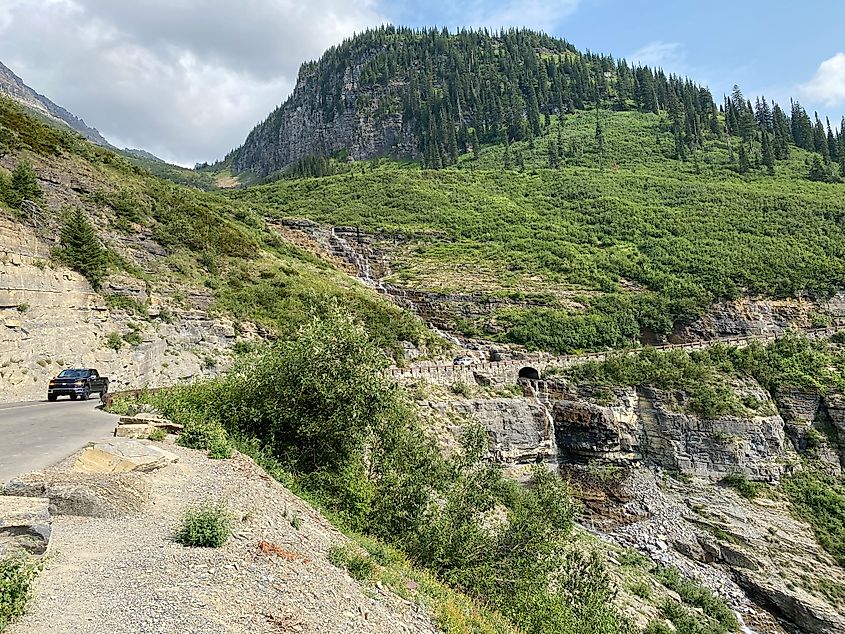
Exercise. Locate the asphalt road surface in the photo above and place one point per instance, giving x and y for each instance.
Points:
(36, 435)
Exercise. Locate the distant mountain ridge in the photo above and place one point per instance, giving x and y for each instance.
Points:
(14, 87)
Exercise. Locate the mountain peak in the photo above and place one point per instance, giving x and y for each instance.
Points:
(13, 86)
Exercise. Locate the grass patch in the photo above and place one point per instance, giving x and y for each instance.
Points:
(819, 499)
(157, 435)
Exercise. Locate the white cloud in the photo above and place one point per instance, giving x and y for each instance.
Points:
(828, 84)
(657, 54)
(184, 79)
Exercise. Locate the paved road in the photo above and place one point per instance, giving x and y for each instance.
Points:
(35, 435)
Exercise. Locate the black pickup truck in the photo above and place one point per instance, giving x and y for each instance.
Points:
(77, 383)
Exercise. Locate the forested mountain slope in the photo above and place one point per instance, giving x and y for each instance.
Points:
(434, 95)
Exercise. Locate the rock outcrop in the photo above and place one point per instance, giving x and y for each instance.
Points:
(734, 546)
(303, 127)
(650, 426)
(50, 318)
(123, 455)
(760, 316)
(519, 430)
(25, 525)
(84, 494)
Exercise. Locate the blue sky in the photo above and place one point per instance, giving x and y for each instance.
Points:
(188, 79)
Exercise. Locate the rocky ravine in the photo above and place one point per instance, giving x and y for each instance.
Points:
(648, 474)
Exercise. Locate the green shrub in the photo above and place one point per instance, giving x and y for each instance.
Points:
(640, 589)
(819, 499)
(697, 596)
(358, 564)
(158, 434)
(745, 487)
(114, 340)
(201, 434)
(17, 576)
(133, 338)
(204, 526)
(461, 388)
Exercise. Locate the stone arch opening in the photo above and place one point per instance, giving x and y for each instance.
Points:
(532, 374)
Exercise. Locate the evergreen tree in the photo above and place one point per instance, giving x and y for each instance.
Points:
(476, 145)
(820, 140)
(744, 164)
(80, 249)
(506, 159)
(22, 186)
(599, 141)
(818, 170)
(768, 155)
(802, 128)
(782, 133)
(554, 155)
(832, 145)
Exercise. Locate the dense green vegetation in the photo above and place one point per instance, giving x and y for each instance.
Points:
(623, 200)
(318, 412)
(706, 376)
(819, 499)
(642, 247)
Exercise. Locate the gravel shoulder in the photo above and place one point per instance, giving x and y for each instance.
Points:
(127, 575)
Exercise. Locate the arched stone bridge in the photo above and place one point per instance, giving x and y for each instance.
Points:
(534, 366)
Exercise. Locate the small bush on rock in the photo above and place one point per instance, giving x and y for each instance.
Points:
(17, 576)
(158, 434)
(745, 487)
(204, 526)
(114, 341)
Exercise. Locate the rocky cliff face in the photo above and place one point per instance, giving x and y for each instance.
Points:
(760, 316)
(303, 127)
(50, 318)
(13, 87)
(648, 473)
(646, 426)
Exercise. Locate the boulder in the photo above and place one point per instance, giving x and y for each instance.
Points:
(25, 525)
(143, 424)
(84, 494)
(123, 455)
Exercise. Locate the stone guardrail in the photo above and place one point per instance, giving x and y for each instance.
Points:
(436, 372)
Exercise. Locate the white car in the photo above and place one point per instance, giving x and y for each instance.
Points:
(463, 360)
